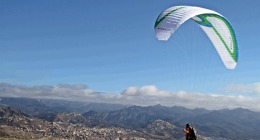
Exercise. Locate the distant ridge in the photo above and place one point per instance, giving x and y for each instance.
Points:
(39, 106)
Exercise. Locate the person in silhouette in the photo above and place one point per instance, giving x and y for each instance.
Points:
(189, 132)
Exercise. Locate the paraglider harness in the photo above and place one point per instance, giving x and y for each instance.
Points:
(192, 134)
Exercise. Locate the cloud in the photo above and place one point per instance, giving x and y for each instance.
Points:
(190, 100)
(72, 92)
(149, 90)
(144, 96)
(245, 88)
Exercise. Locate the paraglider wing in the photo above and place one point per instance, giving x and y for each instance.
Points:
(217, 28)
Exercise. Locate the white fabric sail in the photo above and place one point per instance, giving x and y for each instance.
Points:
(217, 28)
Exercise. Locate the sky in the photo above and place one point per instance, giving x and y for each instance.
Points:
(106, 51)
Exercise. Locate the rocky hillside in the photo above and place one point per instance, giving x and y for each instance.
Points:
(231, 124)
(15, 124)
(154, 122)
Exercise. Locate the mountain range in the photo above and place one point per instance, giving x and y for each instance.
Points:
(151, 122)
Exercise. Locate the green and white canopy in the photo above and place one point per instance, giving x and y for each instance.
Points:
(217, 28)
